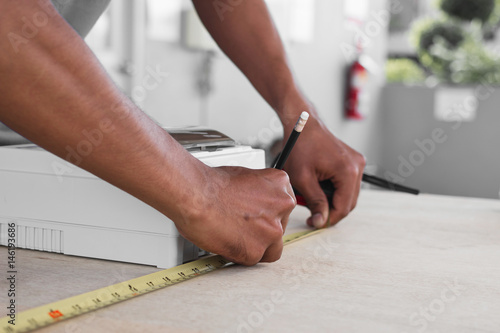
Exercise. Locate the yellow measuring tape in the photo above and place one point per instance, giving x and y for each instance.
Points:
(74, 306)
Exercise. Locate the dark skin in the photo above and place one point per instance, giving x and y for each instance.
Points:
(53, 90)
(247, 35)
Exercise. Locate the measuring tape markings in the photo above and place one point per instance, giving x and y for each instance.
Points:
(51, 313)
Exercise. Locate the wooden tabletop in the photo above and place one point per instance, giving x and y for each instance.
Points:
(398, 263)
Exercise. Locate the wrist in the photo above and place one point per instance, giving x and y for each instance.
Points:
(187, 190)
(291, 114)
(291, 106)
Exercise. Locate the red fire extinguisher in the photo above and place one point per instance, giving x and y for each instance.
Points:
(357, 90)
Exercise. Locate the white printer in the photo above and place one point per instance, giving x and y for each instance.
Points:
(76, 213)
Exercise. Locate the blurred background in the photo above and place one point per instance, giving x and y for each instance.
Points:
(411, 84)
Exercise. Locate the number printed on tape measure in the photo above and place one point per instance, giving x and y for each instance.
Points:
(74, 306)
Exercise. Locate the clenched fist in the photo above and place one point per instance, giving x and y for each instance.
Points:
(240, 214)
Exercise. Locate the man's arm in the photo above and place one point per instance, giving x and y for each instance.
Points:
(245, 32)
(54, 92)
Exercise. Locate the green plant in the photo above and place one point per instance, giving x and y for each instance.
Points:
(453, 48)
(495, 14)
(468, 10)
(428, 30)
(427, 33)
(491, 26)
(403, 70)
(471, 62)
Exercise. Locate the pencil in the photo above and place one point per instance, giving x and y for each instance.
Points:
(327, 185)
(299, 126)
(384, 183)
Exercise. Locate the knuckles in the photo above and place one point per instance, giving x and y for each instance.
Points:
(250, 257)
(290, 201)
(249, 260)
(344, 212)
(282, 181)
(259, 249)
(352, 171)
(282, 177)
(276, 232)
(272, 257)
(356, 167)
(361, 160)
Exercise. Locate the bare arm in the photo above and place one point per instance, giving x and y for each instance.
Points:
(245, 32)
(53, 91)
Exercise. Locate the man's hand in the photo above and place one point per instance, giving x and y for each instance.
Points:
(54, 92)
(318, 155)
(239, 213)
(245, 32)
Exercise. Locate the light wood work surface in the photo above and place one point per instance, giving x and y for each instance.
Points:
(398, 263)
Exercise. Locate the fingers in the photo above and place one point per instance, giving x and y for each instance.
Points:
(347, 190)
(281, 179)
(273, 229)
(343, 202)
(246, 220)
(316, 201)
(291, 205)
(273, 252)
(271, 241)
(360, 162)
(347, 186)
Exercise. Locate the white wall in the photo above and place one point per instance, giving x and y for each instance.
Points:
(236, 109)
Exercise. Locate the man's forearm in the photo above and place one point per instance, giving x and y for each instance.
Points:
(245, 31)
(55, 93)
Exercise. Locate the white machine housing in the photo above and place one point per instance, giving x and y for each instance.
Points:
(58, 207)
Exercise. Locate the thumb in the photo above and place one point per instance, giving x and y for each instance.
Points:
(317, 203)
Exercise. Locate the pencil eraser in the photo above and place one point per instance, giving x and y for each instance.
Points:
(302, 121)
